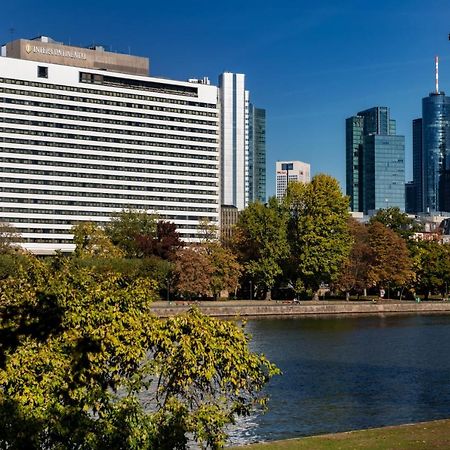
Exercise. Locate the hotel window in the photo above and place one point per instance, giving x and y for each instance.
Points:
(42, 72)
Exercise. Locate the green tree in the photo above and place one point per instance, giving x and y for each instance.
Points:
(126, 226)
(260, 240)
(207, 371)
(70, 339)
(318, 232)
(397, 221)
(391, 264)
(91, 241)
(432, 267)
(77, 347)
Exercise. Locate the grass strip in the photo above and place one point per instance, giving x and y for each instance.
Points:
(424, 436)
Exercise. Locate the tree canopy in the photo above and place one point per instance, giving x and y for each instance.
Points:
(318, 231)
(128, 226)
(397, 221)
(354, 274)
(79, 347)
(260, 240)
(391, 263)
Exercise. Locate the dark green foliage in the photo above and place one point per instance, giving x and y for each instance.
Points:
(432, 264)
(397, 221)
(260, 240)
(318, 232)
(127, 227)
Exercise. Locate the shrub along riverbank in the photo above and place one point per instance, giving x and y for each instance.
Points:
(423, 436)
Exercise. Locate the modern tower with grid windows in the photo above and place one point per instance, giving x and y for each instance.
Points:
(375, 161)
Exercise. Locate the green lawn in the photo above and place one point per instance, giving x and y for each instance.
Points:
(424, 436)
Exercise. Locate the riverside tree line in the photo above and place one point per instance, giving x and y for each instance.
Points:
(288, 248)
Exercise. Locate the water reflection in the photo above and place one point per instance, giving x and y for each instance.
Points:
(350, 373)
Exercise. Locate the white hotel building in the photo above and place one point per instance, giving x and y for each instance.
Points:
(288, 171)
(85, 133)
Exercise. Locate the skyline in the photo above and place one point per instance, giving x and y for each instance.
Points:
(356, 57)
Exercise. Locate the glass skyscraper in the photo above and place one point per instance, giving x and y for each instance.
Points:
(433, 180)
(375, 161)
(415, 202)
(354, 139)
(257, 154)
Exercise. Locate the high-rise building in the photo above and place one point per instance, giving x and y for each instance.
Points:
(85, 133)
(415, 189)
(354, 140)
(288, 171)
(375, 161)
(410, 197)
(434, 177)
(257, 154)
(234, 101)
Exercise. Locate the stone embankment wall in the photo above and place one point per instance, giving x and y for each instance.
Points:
(279, 308)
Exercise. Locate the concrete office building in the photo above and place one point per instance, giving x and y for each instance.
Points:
(375, 161)
(85, 132)
(234, 140)
(288, 171)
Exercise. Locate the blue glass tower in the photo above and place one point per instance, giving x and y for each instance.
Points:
(375, 161)
(436, 153)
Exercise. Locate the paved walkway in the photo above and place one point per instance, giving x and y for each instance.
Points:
(257, 308)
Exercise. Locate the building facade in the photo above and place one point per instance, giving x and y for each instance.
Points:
(375, 161)
(257, 154)
(229, 216)
(288, 171)
(234, 100)
(78, 143)
(354, 140)
(414, 190)
(435, 156)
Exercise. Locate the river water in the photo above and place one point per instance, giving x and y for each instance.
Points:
(344, 374)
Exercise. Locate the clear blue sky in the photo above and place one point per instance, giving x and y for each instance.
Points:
(311, 64)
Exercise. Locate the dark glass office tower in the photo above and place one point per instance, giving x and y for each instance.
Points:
(257, 154)
(416, 196)
(354, 139)
(436, 153)
(375, 158)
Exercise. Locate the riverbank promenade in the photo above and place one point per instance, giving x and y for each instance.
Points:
(262, 308)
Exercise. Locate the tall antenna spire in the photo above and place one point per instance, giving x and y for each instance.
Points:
(436, 59)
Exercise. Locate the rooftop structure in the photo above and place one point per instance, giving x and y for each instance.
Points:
(46, 50)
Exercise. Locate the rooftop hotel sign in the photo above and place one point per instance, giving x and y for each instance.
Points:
(52, 51)
(68, 55)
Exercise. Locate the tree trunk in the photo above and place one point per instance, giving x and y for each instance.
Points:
(269, 294)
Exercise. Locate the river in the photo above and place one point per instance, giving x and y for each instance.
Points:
(344, 374)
